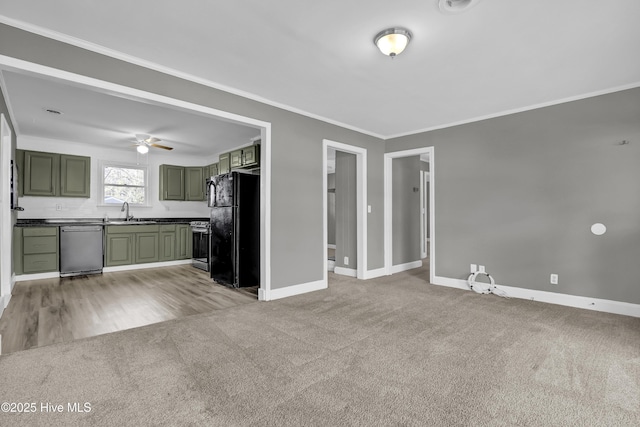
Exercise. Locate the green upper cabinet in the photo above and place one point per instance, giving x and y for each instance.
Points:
(172, 183)
(75, 173)
(194, 183)
(41, 173)
(55, 175)
(211, 170)
(245, 157)
(223, 163)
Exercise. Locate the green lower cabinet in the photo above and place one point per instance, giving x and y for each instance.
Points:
(119, 249)
(139, 244)
(168, 243)
(147, 248)
(35, 250)
(184, 241)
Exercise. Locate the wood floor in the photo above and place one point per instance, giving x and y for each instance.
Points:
(43, 312)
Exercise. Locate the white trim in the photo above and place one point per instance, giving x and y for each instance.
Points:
(330, 246)
(517, 110)
(351, 272)
(331, 265)
(171, 71)
(588, 303)
(388, 204)
(406, 266)
(19, 65)
(361, 203)
(292, 290)
(378, 272)
(145, 265)
(6, 246)
(38, 276)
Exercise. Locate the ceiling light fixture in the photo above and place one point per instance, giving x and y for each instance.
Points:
(392, 41)
(142, 149)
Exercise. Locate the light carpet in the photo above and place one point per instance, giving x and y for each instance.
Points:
(388, 351)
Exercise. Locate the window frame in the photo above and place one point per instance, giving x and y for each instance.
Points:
(115, 164)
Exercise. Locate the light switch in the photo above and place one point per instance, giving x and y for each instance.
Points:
(368, 208)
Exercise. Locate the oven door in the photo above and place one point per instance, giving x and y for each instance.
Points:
(200, 248)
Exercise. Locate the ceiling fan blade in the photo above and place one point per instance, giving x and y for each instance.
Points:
(152, 139)
(164, 147)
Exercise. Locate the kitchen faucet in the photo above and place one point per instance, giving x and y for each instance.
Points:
(127, 217)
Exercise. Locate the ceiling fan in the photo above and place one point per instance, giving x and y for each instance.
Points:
(144, 141)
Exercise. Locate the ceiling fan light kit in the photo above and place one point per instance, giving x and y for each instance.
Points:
(144, 141)
(392, 41)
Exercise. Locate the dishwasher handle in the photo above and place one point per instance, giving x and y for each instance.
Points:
(80, 228)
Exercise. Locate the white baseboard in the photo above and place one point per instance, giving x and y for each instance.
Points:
(38, 276)
(289, 291)
(143, 266)
(597, 304)
(346, 271)
(54, 274)
(372, 274)
(404, 267)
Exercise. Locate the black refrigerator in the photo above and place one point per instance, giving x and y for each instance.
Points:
(234, 258)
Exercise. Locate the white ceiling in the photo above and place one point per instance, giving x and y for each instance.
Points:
(318, 57)
(96, 118)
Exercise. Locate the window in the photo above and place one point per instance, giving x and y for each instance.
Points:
(124, 183)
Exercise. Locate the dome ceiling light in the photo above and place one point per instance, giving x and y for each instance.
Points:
(392, 41)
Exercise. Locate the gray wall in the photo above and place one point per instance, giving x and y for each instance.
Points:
(406, 210)
(297, 252)
(519, 193)
(346, 210)
(331, 209)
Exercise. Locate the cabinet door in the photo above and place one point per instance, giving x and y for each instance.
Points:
(235, 159)
(184, 241)
(168, 242)
(146, 248)
(223, 163)
(75, 176)
(171, 182)
(213, 170)
(119, 249)
(250, 155)
(194, 183)
(41, 173)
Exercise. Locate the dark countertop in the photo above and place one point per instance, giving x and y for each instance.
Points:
(57, 222)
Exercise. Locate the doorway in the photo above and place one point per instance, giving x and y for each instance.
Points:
(349, 201)
(264, 292)
(422, 225)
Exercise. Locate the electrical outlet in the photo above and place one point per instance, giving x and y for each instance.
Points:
(473, 268)
(346, 260)
(369, 209)
(481, 269)
(553, 279)
(58, 207)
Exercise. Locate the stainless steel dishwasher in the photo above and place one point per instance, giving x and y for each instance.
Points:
(80, 250)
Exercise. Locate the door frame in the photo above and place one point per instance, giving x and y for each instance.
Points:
(42, 71)
(361, 202)
(6, 257)
(388, 211)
